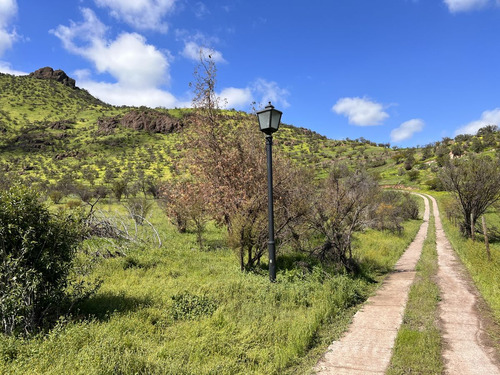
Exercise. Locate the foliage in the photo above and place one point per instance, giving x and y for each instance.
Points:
(189, 306)
(229, 174)
(393, 209)
(36, 253)
(127, 327)
(139, 209)
(342, 207)
(475, 184)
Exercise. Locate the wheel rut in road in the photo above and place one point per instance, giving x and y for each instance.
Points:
(465, 351)
(366, 347)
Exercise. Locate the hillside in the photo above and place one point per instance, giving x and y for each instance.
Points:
(52, 132)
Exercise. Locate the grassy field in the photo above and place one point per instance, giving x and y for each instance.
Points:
(417, 348)
(175, 309)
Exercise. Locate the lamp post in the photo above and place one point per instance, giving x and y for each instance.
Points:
(269, 122)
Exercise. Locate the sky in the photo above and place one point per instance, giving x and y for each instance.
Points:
(404, 72)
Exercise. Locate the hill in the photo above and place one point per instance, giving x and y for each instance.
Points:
(51, 132)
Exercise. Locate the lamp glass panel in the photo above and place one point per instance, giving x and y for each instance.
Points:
(275, 121)
(264, 120)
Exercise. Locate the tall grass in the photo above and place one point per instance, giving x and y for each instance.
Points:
(179, 310)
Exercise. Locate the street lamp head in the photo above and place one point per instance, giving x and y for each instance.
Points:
(269, 119)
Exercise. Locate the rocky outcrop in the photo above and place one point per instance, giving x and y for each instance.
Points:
(143, 119)
(151, 121)
(107, 125)
(56, 75)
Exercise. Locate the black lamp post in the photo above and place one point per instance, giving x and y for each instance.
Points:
(269, 122)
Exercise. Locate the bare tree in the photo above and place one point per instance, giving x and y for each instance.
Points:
(342, 206)
(475, 183)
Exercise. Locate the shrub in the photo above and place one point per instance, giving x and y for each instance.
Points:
(36, 253)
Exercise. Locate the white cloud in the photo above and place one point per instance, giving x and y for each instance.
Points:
(236, 97)
(138, 67)
(120, 94)
(406, 130)
(5, 67)
(487, 118)
(360, 111)
(141, 14)
(269, 91)
(8, 10)
(465, 5)
(259, 92)
(192, 51)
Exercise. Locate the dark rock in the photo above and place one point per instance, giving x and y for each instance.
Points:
(56, 75)
(151, 121)
(61, 125)
(107, 125)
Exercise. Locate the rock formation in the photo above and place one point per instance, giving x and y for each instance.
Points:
(56, 75)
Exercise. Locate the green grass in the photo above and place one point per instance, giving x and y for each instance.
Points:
(418, 344)
(179, 310)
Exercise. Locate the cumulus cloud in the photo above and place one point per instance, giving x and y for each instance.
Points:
(269, 91)
(456, 6)
(487, 118)
(141, 14)
(360, 111)
(234, 97)
(258, 92)
(120, 94)
(8, 10)
(138, 67)
(406, 130)
(193, 50)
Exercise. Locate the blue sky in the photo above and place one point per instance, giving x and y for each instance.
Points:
(408, 72)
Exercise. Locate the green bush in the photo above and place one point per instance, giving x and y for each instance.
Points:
(36, 253)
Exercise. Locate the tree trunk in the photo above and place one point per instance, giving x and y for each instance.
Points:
(472, 234)
(486, 242)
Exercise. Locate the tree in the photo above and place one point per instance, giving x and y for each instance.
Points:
(227, 162)
(342, 207)
(475, 183)
(36, 253)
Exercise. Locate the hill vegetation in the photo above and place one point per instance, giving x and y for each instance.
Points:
(172, 211)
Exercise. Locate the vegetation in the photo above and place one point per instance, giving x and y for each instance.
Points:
(418, 344)
(475, 183)
(179, 310)
(169, 197)
(36, 254)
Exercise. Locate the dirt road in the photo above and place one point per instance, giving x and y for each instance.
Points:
(465, 349)
(366, 348)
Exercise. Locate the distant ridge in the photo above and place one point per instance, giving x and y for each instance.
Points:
(55, 75)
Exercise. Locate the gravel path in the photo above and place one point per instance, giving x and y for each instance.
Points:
(366, 348)
(465, 350)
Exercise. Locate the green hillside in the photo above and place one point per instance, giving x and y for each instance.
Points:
(49, 132)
